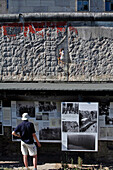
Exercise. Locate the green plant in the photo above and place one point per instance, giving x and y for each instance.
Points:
(80, 161)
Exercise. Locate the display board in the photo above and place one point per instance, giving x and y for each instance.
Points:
(46, 117)
(106, 121)
(1, 119)
(79, 126)
(6, 116)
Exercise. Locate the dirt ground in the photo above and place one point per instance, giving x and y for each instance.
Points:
(15, 165)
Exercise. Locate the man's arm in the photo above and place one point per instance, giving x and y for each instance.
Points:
(35, 137)
(15, 134)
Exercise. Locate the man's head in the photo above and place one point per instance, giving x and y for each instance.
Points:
(25, 116)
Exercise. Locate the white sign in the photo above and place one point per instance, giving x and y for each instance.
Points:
(79, 126)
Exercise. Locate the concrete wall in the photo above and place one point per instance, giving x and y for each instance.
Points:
(23, 6)
(3, 7)
(97, 5)
(29, 51)
(94, 5)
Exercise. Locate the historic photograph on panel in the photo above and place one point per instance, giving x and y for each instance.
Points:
(104, 108)
(38, 116)
(69, 108)
(45, 116)
(25, 106)
(47, 107)
(70, 126)
(109, 116)
(81, 142)
(50, 133)
(79, 129)
(88, 117)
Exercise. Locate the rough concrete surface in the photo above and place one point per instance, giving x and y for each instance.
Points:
(46, 166)
(4, 165)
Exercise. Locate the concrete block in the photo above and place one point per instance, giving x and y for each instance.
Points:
(72, 3)
(33, 3)
(56, 9)
(62, 3)
(97, 5)
(47, 3)
(40, 9)
(25, 9)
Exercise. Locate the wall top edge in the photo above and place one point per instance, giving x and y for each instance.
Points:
(58, 86)
(78, 16)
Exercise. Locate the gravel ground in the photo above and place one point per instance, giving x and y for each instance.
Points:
(9, 165)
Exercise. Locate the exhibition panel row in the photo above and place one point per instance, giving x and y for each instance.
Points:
(71, 123)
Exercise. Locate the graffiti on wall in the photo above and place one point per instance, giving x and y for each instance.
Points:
(31, 51)
(54, 51)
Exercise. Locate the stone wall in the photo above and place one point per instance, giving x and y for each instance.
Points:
(29, 51)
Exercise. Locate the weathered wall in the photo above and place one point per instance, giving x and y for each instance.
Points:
(22, 6)
(29, 51)
(97, 5)
(3, 7)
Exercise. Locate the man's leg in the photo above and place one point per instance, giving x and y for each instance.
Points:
(25, 161)
(35, 161)
(24, 153)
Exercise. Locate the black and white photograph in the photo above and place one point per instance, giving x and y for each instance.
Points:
(25, 106)
(45, 116)
(80, 142)
(38, 116)
(109, 116)
(104, 108)
(70, 126)
(47, 107)
(106, 121)
(88, 121)
(50, 133)
(88, 117)
(69, 108)
(80, 132)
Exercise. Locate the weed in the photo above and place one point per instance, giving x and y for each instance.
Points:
(80, 161)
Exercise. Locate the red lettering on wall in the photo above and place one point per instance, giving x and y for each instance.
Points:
(13, 29)
(73, 29)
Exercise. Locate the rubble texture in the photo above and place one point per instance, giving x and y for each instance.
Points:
(30, 52)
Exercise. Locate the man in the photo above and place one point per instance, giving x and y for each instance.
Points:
(26, 132)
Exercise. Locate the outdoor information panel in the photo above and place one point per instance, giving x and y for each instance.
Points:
(106, 121)
(46, 117)
(79, 126)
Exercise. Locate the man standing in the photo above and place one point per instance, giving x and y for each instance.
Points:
(26, 132)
